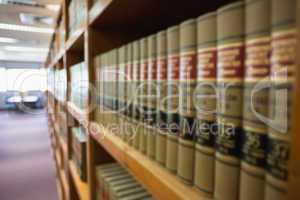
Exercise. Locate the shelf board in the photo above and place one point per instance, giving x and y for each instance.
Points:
(138, 15)
(57, 58)
(59, 191)
(76, 40)
(58, 158)
(63, 145)
(64, 181)
(98, 9)
(82, 187)
(161, 183)
(77, 113)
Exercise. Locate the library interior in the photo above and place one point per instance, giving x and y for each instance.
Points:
(149, 100)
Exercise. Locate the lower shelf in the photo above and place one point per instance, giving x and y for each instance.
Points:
(64, 182)
(82, 187)
(160, 182)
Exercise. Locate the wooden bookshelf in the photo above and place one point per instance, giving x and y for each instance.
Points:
(110, 24)
(82, 187)
(147, 171)
(77, 113)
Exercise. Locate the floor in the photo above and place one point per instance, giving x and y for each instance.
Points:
(26, 166)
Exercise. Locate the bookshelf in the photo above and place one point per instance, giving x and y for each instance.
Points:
(109, 24)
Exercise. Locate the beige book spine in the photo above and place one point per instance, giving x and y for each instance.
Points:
(187, 111)
(205, 94)
(129, 98)
(143, 91)
(256, 103)
(152, 95)
(283, 64)
(161, 114)
(173, 98)
(230, 71)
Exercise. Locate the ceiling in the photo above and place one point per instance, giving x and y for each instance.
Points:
(26, 47)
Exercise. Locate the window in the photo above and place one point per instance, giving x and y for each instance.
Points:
(2, 79)
(23, 79)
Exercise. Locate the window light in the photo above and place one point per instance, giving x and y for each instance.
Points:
(25, 49)
(14, 27)
(8, 40)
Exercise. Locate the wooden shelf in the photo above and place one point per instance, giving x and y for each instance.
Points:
(59, 189)
(76, 40)
(161, 183)
(98, 9)
(58, 158)
(77, 113)
(57, 58)
(63, 145)
(82, 187)
(110, 24)
(64, 182)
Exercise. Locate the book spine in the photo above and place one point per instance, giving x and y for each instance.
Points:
(173, 98)
(129, 99)
(187, 111)
(143, 91)
(109, 89)
(104, 83)
(136, 84)
(152, 95)
(114, 73)
(205, 103)
(230, 66)
(161, 137)
(283, 64)
(256, 102)
(122, 92)
(101, 89)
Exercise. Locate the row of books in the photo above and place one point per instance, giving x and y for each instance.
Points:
(79, 154)
(77, 14)
(115, 183)
(61, 115)
(79, 85)
(206, 98)
(60, 84)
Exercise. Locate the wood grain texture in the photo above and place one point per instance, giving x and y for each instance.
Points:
(82, 187)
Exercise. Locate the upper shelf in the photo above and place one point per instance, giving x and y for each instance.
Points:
(161, 183)
(145, 15)
(78, 114)
(76, 40)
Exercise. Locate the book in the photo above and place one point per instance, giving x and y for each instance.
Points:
(187, 111)
(114, 182)
(135, 95)
(256, 101)
(152, 96)
(84, 87)
(283, 64)
(230, 70)
(98, 89)
(205, 103)
(161, 136)
(114, 87)
(79, 155)
(104, 63)
(173, 98)
(129, 99)
(122, 90)
(142, 93)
